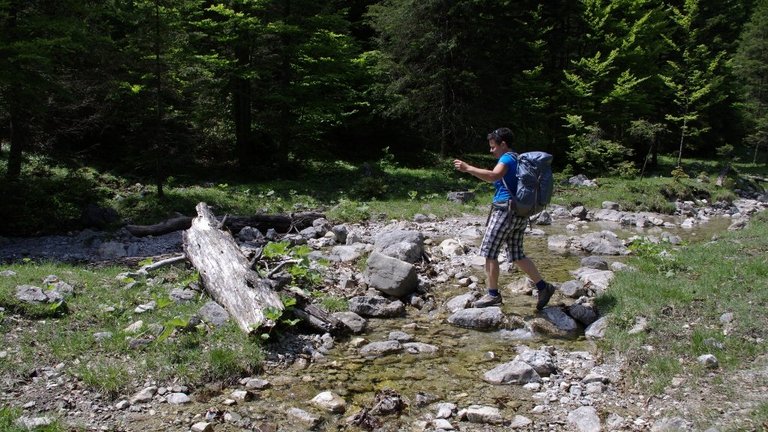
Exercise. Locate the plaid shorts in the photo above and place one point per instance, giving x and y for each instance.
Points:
(504, 230)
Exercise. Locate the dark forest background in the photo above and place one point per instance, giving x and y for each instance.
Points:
(255, 88)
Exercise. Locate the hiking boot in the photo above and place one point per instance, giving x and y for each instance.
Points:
(544, 295)
(487, 300)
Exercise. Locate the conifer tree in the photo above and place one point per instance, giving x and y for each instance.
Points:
(751, 67)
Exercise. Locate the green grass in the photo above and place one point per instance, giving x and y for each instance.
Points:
(104, 303)
(9, 417)
(684, 298)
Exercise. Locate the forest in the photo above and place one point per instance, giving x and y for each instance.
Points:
(257, 88)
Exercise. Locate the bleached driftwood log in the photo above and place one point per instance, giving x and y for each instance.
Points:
(226, 272)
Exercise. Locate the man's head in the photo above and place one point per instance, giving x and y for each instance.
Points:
(500, 141)
(502, 135)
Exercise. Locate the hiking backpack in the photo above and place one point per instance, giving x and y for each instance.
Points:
(534, 183)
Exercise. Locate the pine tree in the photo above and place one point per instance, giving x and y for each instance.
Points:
(693, 76)
(751, 67)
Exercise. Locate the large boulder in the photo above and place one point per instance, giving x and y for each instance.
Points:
(390, 275)
(404, 245)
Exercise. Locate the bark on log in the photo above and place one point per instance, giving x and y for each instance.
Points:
(165, 227)
(280, 223)
(226, 272)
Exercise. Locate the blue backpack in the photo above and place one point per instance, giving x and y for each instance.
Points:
(534, 183)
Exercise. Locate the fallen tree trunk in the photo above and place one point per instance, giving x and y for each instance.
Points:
(280, 223)
(226, 272)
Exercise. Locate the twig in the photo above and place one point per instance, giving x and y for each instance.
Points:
(281, 265)
(168, 261)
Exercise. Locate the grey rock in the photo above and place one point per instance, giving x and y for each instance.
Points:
(482, 414)
(391, 276)
(378, 349)
(596, 330)
(584, 419)
(563, 322)
(353, 321)
(404, 245)
(585, 314)
(375, 306)
(461, 197)
(573, 289)
(594, 262)
(212, 313)
(478, 318)
(514, 372)
(419, 348)
(30, 294)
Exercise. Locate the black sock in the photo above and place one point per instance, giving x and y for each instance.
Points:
(494, 292)
(540, 285)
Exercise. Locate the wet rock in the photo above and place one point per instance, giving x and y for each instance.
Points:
(489, 318)
(579, 212)
(352, 321)
(460, 302)
(309, 420)
(376, 306)
(563, 322)
(482, 414)
(585, 314)
(388, 401)
(419, 348)
(514, 372)
(378, 349)
(330, 402)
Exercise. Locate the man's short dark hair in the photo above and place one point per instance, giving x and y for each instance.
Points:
(502, 134)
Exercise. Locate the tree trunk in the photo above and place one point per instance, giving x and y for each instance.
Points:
(280, 223)
(226, 273)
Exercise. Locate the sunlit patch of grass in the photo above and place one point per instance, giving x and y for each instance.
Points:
(106, 375)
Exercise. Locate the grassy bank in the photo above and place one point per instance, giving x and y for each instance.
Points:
(705, 298)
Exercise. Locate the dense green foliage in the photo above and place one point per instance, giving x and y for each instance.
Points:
(159, 92)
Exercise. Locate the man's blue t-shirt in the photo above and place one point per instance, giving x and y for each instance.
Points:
(502, 194)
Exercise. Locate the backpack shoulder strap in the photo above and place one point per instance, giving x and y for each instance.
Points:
(511, 192)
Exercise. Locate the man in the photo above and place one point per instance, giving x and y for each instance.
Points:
(502, 227)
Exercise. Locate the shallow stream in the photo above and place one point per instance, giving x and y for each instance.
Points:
(455, 373)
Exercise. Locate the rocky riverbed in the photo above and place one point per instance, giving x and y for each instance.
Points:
(419, 358)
